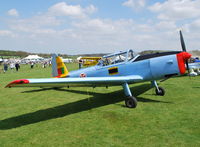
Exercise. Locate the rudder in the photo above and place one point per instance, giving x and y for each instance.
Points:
(59, 69)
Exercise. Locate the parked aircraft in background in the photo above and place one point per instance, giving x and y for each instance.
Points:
(196, 60)
(88, 61)
(194, 67)
(122, 68)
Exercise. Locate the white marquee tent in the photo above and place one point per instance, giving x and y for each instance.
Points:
(33, 58)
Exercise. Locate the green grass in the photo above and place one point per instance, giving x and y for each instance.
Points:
(97, 117)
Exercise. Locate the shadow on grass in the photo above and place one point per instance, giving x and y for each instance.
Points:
(96, 100)
(37, 90)
(195, 87)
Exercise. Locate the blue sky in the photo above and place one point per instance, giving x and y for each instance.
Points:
(96, 26)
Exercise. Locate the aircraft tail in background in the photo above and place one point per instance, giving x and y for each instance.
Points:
(59, 70)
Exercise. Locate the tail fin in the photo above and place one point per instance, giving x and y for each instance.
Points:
(59, 69)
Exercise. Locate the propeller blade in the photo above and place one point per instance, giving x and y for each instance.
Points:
(187, 65)
(182, 42)
(184, 50)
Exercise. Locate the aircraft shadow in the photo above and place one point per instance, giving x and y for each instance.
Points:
(195, 87)
(140, 99)
(37, 90)
(96, 100)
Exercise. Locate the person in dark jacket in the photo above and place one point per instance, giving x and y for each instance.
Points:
(17, 66)
(5, 67)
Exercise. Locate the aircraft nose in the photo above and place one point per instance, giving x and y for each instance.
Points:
(186, 55)
(182, 60)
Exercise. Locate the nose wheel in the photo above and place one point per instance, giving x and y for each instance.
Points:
(160, 91)
(131, 102)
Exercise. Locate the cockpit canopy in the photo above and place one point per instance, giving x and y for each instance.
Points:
(115, 58)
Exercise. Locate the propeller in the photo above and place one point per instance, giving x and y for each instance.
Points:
(184, 50)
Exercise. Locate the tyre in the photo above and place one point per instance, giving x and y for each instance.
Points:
(131, 102)
(161, 91)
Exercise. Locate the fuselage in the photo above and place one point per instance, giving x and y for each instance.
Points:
(150, 67)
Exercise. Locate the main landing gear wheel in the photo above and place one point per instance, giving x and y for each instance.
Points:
(160, 91)
(131, 102)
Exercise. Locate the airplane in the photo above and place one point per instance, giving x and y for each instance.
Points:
(196, 59)
(88, 61)
(122, 68)
(194, 68)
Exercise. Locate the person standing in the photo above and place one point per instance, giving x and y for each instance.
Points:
(5, 67)
(32, 64)
(80, 63)
(12, 66)
(44, 65)
(17, 66)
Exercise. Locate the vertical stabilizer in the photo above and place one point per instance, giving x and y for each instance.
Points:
(59, 69)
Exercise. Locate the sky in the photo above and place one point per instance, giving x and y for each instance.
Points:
(98, 26)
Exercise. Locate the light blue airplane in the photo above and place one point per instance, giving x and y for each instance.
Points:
(122, 68)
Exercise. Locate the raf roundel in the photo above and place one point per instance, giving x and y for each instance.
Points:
(83, 75)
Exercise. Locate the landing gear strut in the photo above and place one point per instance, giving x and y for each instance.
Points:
(159, 90)
(130, 101)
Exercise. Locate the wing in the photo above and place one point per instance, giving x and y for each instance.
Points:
(76, 82)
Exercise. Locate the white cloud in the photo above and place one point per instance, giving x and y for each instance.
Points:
(195, 24)
(60, 29)
(36, 24)
(7, 33)
(97, 25)
(166, 25)
(13, 12)
(193, 28)
(176, 9)
(63, 9)
(135, 4)
(90, 9)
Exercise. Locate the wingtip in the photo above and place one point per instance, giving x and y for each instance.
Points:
(17, 82)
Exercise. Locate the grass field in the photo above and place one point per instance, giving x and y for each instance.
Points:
(97, 117)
